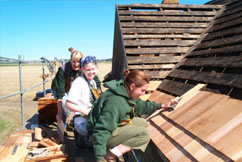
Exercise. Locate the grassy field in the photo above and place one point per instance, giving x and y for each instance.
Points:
(10, 108)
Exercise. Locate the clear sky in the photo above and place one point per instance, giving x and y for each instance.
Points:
(36, 28)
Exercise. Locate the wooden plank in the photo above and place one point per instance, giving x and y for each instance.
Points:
(162, 30)
(161, 50)
(232, 62)
(167, 18)
(21, 138)
(170, 6)
(163, 25)
(217, 51)
(231, 80)
(167, 13)
(210, 117)
(158, 59)
(162, 36)
(153, 85)
(236, 39)
(8, 155)
(149, 67)
(180, 142)
(156, 74)
(182, 43)
(190, 94)
(232, 143)
(175, 88)
(160, 97)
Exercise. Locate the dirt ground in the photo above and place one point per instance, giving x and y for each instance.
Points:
(10, 107)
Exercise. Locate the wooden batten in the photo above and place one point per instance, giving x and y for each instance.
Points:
(169, 2)
(154, 37)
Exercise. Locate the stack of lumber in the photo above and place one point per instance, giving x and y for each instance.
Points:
(204, 126)
(39, 145)
(47, 109)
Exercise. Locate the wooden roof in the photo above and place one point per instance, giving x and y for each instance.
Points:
(154, 37)
(216, 60)
(207, 125)
(204, 126)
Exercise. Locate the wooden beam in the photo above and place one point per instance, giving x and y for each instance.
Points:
(149, 67)
(159, 59)
(167, 18)
(156, 74)
(171, 6)
(162, 36)
(161, 50)
(165, 13)
(181, 43)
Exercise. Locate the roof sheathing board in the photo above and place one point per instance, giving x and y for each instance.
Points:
(157, 36)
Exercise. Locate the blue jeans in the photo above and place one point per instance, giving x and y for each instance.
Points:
(80, 124)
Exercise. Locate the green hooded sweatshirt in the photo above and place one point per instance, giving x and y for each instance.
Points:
(113, 106)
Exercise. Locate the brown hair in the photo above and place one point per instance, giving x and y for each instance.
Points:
(136, 76)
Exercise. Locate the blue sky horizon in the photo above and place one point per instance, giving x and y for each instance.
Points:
(47, 28)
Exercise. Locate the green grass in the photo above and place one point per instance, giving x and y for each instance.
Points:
(2, 125)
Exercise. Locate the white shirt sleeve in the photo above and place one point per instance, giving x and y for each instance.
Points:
(80, 93)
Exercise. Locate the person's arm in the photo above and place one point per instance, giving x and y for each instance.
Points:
(148, 107)
(75, 108)
(98, 82)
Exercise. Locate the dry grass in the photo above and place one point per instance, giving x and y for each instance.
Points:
(10, 116)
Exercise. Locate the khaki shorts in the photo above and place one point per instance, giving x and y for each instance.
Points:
(135, 135)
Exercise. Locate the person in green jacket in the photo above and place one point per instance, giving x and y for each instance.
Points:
(113, 121)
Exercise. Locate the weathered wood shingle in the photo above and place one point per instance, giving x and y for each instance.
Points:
(216, 60)
(155, 37)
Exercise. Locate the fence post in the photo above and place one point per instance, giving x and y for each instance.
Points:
(43, 69)
(21, 89)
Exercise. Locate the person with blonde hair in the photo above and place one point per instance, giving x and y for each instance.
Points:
(114, 121)
(62, 82)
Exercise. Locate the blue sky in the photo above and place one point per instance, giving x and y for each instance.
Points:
(36, 28)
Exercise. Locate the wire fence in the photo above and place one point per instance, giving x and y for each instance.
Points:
(20, 61)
